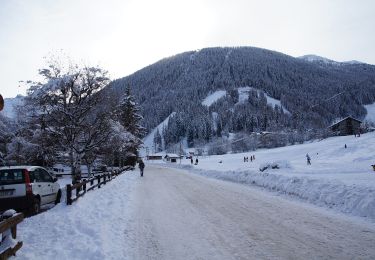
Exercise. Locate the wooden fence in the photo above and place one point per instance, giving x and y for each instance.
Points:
(84, 186)
(9, 227)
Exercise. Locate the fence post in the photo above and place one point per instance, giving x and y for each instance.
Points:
(84, 187)
(104, 177)
(69, 194)
(98, 177)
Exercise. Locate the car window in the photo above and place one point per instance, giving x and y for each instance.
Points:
(45, 175)
(36, 176)
(11, 176)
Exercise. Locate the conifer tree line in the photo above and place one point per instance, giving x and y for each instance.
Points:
(66, 118)
(180, 83)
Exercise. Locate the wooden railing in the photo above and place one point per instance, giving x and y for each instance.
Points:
(84, 186)
(9, 227)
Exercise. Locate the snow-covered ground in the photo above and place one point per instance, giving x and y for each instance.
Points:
(172, 214)
(179, 215)
(337, 178)
(212, 98)
(370, 113)
(94, 227)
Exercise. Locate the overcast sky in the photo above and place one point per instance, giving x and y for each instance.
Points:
(124, 36)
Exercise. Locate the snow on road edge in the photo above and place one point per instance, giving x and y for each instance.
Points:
(84, 230)
(350, 199)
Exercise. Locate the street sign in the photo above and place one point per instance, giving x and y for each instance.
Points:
(1, 102)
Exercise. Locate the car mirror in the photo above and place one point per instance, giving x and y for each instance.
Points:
(54, 179)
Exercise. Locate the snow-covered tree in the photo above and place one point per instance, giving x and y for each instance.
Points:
(128, 115)
(66, 108)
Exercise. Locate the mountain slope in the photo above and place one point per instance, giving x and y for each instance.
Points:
(180, 83)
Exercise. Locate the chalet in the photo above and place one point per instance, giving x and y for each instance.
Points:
(347, 126)
(156, 156)
(172, 157)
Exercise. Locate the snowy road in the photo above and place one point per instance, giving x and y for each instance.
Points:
(179, 215)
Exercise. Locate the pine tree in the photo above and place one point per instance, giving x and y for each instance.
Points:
(129, 116)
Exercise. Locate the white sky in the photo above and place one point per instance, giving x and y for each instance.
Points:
(124, 36)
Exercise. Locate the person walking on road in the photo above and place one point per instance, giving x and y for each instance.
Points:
(308, 159)
(141, 167)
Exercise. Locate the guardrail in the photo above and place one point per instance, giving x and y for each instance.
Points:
(84, 186)
(8, 227)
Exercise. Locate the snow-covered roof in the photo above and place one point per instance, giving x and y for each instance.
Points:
(172, 155)
(340, 120)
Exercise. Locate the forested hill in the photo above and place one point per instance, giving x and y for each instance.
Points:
(304, 86)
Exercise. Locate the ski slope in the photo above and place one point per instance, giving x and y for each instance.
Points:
(212, 98)
(148, 141)
(243, 95)
(370, 113)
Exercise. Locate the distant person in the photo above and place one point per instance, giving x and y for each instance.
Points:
(191, 160)
(345, 146)
(196, 161)
(308, 159)
(244, 159)
(141, 166)
(251, 158)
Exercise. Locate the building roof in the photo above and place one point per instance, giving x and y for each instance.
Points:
(339, 121)
(156, 154)
(172, 155)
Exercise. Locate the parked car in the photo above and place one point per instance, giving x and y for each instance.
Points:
(27, 188)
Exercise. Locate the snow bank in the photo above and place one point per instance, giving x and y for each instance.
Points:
(352, 199)
(83, 230)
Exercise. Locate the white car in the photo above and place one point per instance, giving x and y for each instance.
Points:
(26, 188)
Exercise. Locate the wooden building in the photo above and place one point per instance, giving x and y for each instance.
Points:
(347, 126)
(155, 157)
(172, 157)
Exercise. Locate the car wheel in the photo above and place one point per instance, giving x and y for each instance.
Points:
(58, 197)
(35, 208)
